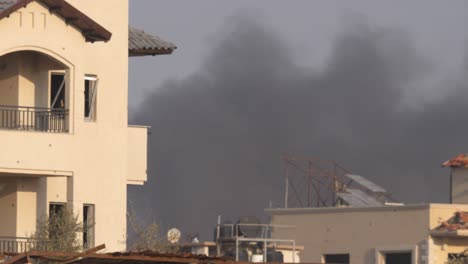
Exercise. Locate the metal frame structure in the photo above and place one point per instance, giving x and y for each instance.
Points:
(313, 182)
(236, 237)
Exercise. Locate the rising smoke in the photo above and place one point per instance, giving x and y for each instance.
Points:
(217, 135)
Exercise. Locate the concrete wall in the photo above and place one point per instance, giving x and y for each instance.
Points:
(9, 79)
(94, 157)
(356, 231)
(137, 142)
(367, 233)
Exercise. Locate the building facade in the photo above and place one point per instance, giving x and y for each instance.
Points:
(368, 235)
(63, 115)
(384, 234)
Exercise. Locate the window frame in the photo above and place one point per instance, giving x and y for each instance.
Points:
(92, 112)
(91, 232)
(380, 252)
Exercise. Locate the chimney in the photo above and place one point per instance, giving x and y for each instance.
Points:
(458, 179)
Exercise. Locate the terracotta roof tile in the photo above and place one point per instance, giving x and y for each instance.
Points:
(457, 222)
(90, 28)
(141, 43)
(460, 161)
(5, 4)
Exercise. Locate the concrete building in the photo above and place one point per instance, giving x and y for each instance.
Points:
(64, 130)
(403, 234)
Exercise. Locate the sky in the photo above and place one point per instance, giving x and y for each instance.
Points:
(308, 26)
(378, 86)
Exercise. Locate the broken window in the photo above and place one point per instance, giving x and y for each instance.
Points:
(88, 226)
(336, 258)
(90, 92)
(57, 90)
(398, 258)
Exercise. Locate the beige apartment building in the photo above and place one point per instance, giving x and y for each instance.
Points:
(386, 234)
(64, 130)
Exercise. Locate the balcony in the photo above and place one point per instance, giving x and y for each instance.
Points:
(20, 245)
(35, 93)
(34, 119)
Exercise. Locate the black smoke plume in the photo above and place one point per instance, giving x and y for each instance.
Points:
(217, 135)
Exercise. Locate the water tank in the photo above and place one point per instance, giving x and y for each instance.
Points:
(275, 256)
(246, 226)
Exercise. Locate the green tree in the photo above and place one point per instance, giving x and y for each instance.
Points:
(60, 231)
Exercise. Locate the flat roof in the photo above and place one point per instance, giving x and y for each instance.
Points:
(318, 210)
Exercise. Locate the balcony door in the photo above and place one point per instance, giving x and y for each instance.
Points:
(57, 90)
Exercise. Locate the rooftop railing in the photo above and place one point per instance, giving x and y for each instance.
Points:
(51, 120)
(229, 231)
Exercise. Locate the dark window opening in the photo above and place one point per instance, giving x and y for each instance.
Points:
(88, 226)
(56, 208)
(57, 91)
(457, 256)
(55, 211)
(337, 258)
(398, 258)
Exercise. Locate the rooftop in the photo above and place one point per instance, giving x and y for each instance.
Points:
(141, 43)
(91, 257)
(393, 208)
(90, 29)
(460, 161)
(457, 222)
(456, 226)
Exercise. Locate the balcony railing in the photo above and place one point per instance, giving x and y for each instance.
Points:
(50, 120)
(20, 245)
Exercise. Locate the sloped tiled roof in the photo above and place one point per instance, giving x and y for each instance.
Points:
(457, 222)
(141, 43)
(456, 226)
(5, 4)
(90, 29)
(460, 161)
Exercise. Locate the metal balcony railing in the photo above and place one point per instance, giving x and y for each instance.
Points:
(41, 119)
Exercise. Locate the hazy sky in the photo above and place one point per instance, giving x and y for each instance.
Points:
(380, 86)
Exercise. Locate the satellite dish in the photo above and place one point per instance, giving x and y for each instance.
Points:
(173, 235)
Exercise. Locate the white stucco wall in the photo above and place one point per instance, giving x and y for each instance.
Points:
(90, 164)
